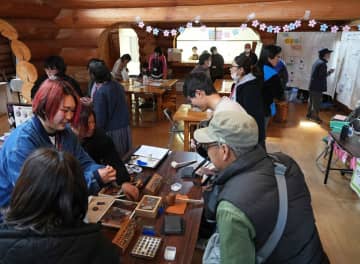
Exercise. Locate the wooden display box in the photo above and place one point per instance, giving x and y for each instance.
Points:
(148, 206)
(153, 186)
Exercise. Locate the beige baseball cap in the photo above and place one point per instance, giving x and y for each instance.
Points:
(234, 128)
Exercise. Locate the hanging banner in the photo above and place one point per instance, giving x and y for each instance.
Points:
(355, 180)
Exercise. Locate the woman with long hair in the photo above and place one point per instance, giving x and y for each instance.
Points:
(44, 220)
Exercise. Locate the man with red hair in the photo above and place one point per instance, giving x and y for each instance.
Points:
(55, 106)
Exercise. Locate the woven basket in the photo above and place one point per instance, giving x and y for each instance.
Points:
(282, 109)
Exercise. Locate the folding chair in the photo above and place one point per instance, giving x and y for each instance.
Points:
(175, 128)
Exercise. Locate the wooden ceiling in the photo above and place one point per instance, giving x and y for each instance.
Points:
(82, 13)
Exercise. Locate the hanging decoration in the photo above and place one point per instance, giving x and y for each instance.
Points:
(251, 22)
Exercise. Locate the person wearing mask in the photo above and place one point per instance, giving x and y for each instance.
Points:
(243, 198)
(55, 106)
(55, 68)
(119, 71)
(246, 90)
(157, 64)
(318, 84)
(217, 65)
(110, 107)
(204, 64)
(271, 88)
(44, 220)
(249, 53)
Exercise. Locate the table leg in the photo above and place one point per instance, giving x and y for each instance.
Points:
(159, 107)
(329, 161)
(186, 135)
(128, 100)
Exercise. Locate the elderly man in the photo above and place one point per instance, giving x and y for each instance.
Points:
(244, 198)
(249, 53)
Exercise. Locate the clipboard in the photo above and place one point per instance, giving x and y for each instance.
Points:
(148, 156)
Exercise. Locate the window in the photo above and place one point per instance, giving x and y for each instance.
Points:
(129, 43)
(229, 41)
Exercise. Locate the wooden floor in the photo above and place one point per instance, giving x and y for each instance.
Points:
(336, 206)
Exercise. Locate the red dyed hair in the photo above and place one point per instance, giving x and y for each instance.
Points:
(48, 98)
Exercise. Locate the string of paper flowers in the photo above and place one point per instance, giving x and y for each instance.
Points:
(251, 22)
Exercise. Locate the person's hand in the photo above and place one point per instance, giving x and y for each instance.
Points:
(331, 71)
(193, 145)
(131, 192)
(107, 174)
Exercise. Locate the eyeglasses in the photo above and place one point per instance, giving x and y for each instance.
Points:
(206, 146)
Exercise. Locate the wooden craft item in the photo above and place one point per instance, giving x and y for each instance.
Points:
(148, 206)
(125, 234)
(153, 186)
(26, 71)
(146, 247)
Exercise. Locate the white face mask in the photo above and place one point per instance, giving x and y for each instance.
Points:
(235, 77)
(247, 50)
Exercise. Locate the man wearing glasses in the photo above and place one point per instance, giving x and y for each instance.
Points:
(244, 198)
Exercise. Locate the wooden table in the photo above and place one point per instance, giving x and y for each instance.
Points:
(185, 244)
(223, 86)
(351, 145)
(155, 87)
(184, 113)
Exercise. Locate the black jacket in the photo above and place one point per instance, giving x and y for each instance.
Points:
(102, 150)
(249, 96)
(67, 78)
(271, 88)
(318, 82)
(249, 184)
(84, 244)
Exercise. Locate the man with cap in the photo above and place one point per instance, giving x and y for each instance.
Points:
(249, 53)
(318, 84)
(243, 197)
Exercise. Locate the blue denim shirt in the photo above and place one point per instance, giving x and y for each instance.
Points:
(30, 136)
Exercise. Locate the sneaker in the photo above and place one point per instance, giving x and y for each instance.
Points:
(308, 117)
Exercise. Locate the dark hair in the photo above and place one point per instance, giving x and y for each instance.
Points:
(194, 47)
(99, 72)
(212, 49)
(55, 63)
(198, 81)
(243, 62)
(158, 50)
(48, 98)
(204, 57)
(86, 110)
(268, 52)
(145, 65)
(50, 192)
(125, 57)
(92, 61)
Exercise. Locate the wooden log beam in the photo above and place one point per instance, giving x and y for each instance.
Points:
(78, 37)
(29, 29)
(16, 9)
(269, 11)
(143, 3)
(41, 49)
(78, 56)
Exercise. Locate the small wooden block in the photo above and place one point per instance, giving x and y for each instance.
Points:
(125, 234)
(153, 186)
